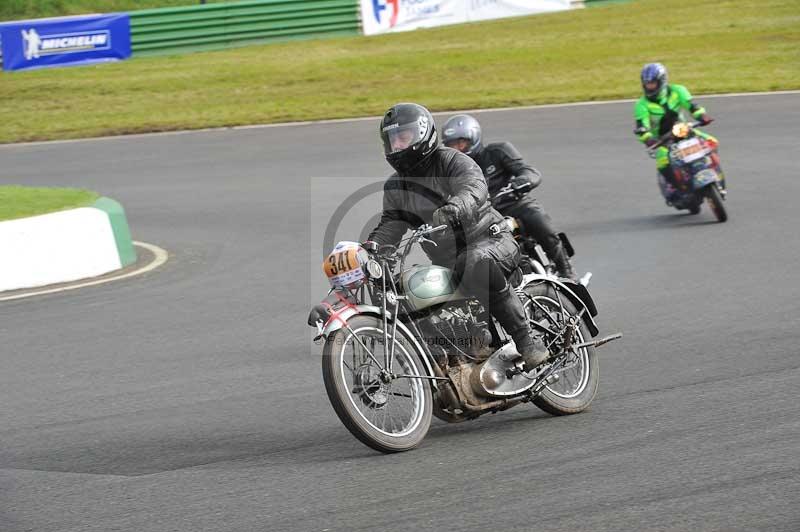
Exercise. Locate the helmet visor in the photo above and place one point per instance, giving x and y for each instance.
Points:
(398, 137)
(462, 145)
(651, 86)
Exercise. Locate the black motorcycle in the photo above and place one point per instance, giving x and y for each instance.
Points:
(402, 344)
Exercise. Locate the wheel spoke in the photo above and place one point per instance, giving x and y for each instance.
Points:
(392, 408)
(573, 375)
(383, 421)
(546, 312)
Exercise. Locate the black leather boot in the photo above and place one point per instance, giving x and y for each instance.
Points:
(562, 263)
(507, 308)
(671, 194)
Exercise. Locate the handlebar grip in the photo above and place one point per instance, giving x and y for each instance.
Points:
(370, 245)
(527, 187)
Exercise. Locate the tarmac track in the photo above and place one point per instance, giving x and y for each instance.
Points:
(191, 398)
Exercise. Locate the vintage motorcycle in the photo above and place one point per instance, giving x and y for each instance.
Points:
(697, 169)
(421, 348)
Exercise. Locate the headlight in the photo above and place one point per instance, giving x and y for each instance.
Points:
(680, 130)
(374, 269)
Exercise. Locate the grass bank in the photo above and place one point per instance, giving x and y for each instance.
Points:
(712, 46)
(21, 202)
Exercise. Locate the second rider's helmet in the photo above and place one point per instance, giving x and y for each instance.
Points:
(409, 136)
(463, 127)
(654, 80)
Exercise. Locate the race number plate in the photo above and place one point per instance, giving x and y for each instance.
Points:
(689, 150)
(342, 266)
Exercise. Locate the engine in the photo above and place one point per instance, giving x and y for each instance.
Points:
(454, 334)
(460, 343)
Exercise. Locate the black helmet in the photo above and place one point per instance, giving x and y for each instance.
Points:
(463, 127)
(409, 136)
(654, 80)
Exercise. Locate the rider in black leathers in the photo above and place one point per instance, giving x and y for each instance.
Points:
(502, 164)
(437, 185)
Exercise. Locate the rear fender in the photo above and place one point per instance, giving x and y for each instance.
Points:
(340, 319)
(575, 292)
(570, 251)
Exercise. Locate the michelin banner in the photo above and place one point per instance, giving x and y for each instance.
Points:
(61, 41)
(383, 16)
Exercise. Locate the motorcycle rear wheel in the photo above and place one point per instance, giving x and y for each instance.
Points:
(578, 381)
(715, 202)
(391, 416)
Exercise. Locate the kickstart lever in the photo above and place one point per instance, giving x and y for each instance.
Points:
(598, 343)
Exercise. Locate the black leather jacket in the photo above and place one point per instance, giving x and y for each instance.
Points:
(500, 161)
(447, 176)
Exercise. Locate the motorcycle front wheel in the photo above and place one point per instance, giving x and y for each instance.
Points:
(716, 203)
(385, 413)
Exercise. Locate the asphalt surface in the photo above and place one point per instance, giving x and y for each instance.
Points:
(191, 398)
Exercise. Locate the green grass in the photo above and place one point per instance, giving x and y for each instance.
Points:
(24, 9)
(21, 202)
(712, 46)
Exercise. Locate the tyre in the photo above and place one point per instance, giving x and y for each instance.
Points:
(579, 377)
(716, 203)
(389, 415)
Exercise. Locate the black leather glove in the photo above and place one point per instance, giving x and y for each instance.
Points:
(447, 215)
(705, 120)
(370, 246)
(517, 182)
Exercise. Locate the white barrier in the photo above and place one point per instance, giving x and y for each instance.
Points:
(64, 246)
(384, 16)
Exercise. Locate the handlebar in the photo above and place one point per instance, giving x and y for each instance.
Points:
(511, 189)
(667, 136)
(421, 232)
(428, 230)
(390, 251)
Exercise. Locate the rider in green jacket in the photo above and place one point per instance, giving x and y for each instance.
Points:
(657, 111)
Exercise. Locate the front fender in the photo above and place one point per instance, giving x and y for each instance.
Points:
(704, 177)
(339, 320)
(575, 292)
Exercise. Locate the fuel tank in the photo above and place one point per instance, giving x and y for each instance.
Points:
(426, 286)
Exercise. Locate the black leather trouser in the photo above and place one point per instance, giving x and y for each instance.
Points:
(482, 268)
(538, 224)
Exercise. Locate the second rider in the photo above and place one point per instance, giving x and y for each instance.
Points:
(502, 165)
